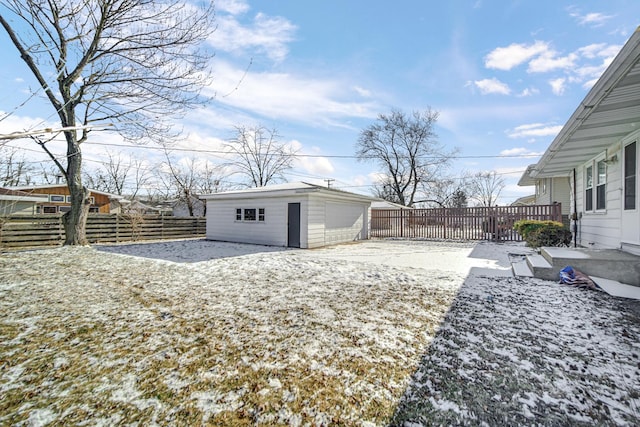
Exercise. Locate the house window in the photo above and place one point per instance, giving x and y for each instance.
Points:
(64, 209)
(249, 215)
(49, 209)
(601, 191)
(261, 214)
(94, 209)
(588, 185)
(68, 199)
(54, 198)
(92, 200)
(238, 214)
(630, 168)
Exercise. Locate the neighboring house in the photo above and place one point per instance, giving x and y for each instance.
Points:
(525, 201)
(384, 213)
(59, 199)
(140, 208)
(14, 202)
(181, 209)
(549, 190)
(384, 204)
(597, 153)
(295, 214)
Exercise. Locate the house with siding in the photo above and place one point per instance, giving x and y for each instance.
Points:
(596, 156)
(14, 202)
(549, 190)
(296, 214)
(58, 199)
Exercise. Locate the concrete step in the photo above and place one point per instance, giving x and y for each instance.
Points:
(607, 263)
(541, 268)
(521, 269)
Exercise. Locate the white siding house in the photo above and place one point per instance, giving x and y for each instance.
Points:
(549, 190)
(596, 153)
(295, 215)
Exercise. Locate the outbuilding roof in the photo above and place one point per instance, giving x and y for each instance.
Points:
(286, 189)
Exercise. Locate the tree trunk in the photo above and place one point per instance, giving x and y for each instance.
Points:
(75, 221)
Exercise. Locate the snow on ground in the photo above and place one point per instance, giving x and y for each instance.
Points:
(196, 332)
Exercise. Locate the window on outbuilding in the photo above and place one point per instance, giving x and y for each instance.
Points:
(249, 214)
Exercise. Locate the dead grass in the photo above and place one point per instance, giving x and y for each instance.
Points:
(95, 338)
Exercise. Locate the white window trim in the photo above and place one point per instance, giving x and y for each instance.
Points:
(257, 220)
(593, 163)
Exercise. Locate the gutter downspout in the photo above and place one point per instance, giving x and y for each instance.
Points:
(575, 211)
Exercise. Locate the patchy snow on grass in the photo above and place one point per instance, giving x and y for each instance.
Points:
(381, 332)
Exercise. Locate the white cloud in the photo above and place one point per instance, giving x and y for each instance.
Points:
(519, 151)
(534, 130)
(592, 19)
(505, 58)
(528, 92)
(233, 7)
(267, 35)
(290, 97)
(548, 61)
(366, 93)
(488, 86)
(558, 85)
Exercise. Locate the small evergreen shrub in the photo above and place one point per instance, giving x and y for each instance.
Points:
(525, 226)
(543, 233)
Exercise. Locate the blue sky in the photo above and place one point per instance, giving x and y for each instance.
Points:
(504, 75)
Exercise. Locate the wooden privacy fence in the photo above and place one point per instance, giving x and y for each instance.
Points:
(45, 230)
(478, 223)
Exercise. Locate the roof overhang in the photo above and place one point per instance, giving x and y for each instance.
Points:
(609, 112)
(287, 190)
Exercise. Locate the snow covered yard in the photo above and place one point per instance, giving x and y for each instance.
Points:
(142, 334)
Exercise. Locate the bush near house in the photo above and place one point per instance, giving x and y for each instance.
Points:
(543, 233)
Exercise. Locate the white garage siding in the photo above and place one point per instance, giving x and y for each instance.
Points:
(222, 223)
(344, 222)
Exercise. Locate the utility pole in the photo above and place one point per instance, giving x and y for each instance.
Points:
(329, 181)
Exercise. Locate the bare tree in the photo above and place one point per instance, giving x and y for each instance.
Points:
(111, 176)
(485, 187)
(185, 179)
(445, 193)
(118, 62)
(14, 169)
(406, 149)
(119, 175)
(259, 155)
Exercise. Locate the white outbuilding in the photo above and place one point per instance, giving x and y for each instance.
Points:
(298, 214)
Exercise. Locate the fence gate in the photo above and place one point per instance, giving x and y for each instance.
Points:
(480, 223)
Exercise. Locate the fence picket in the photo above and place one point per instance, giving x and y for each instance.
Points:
(477, 223)
(42, 230)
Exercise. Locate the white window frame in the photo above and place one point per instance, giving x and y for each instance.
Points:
(596, 184)
(588, 207)
(259, 215)
(61, 198)
(597, 163)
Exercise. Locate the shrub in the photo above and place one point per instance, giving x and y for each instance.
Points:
(550, 233)
(525, 227)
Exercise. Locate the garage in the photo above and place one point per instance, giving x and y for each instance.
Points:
(298, 214)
